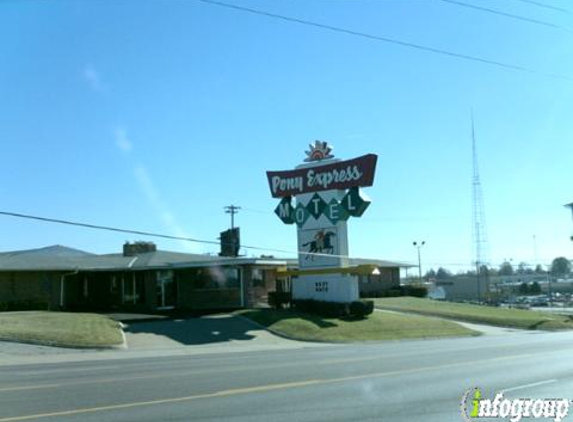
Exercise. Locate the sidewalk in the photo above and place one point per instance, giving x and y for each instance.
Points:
(157, 337)
(488, 330)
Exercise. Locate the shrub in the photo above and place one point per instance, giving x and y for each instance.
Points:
(383, 293)
(395, 292)
(322, 308)
(278, 300)
(361, 308)
(24, 305)
(358, 308)
(415, 291)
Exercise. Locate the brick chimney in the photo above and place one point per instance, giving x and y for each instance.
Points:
(136, 248)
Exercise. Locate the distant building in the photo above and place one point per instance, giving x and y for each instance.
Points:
(385, 277)
(507, 287)
(436, 292)
(464, 288)
(495, 288)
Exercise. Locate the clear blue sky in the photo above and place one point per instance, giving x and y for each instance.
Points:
(154, 115)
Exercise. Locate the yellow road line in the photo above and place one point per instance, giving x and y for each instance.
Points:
(161, 401)
(187, 374)
(30, 387)
(248, 390)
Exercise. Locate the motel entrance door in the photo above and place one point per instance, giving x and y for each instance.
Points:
(166, 290)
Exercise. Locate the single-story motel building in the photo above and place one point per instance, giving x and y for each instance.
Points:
(144, 279)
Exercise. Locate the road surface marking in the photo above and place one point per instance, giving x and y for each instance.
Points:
(58, 371)
(222, 393)
(190, 373)
(224, 370)
(30, 387)
(248, 390)
(534, 384)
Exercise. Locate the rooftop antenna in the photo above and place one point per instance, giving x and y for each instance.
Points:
(479, 223)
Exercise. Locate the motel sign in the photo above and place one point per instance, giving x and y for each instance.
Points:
(320, 196)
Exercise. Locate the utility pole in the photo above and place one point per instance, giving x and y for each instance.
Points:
(232, 209)
(419, 245)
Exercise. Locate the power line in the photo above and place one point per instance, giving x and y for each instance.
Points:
(266, 212)
(159, 235)
(383, 39)
(500, 13)
(138, 232)
(209, 242)
(108, 228)
(546, 6)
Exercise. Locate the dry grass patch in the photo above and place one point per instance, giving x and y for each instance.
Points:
(377, 326)
(503, 317)
(61, 329)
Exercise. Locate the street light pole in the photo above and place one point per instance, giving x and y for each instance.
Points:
(418, 246)
(571, 207)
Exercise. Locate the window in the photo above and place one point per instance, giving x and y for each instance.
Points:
(113, 284)
(134, 288)
(258, 277)
(213, 278)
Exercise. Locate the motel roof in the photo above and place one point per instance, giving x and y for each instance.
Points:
(293, 263)
(62, 258)
(379, 262)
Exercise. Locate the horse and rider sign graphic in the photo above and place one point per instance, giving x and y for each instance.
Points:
(320, 196)
(319, 244)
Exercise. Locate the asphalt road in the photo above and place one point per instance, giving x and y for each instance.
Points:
(394, 381)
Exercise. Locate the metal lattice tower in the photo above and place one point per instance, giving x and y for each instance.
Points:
(480, 242)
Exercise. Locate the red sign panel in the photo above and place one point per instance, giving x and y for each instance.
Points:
(340, 175)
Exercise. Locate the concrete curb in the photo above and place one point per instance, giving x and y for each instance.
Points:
(123, 345)
(67, 346)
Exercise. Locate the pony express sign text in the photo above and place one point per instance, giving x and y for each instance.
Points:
(338, 175)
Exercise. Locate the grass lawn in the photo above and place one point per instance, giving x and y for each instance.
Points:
(60, 329)
(377, 326)
(516, 318)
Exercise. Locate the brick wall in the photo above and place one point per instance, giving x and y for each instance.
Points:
(30, 286)
(192, 296)
(389, 278)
